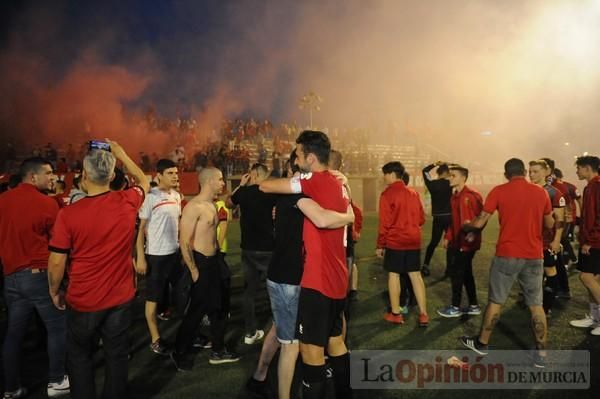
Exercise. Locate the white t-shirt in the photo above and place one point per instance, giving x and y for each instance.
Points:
(161, 210)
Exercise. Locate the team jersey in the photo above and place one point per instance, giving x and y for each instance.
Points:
(325, 253)
(566, 192)
(558, 201)
(161, 210)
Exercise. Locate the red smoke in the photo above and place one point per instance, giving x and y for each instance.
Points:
(87, 102)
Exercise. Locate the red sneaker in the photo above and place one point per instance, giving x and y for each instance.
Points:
(393, 318)
(423, 320)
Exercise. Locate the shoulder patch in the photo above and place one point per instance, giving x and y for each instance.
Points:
(306, 176)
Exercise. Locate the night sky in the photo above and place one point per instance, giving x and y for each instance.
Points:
(444, 71)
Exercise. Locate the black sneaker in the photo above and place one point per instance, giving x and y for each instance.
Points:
(223, 357)
(182, 361)
(159, 348)
(425, 271)
(538, 360)
(473, 344)
(256, 387)
(202, 343)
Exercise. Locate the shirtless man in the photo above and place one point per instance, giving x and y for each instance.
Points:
(198, 241)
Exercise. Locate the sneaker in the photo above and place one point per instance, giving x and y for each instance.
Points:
(450, 311)
(425, 271)
(19, 393)
(165, 316)
(59, 388)
(596, 331)
(423, 320)
(223, 357)
(159, 348)
(182, 361)
(393, 318)
(586, 322)
(538, 360)
(250, 339)
(473, 344)
(256, 387)
(563, 294)
(473, 310)
(202, 343)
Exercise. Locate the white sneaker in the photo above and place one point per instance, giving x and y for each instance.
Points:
(59, 388)
(250, 339)
(586, 322)
(19, 393)
(596, 331)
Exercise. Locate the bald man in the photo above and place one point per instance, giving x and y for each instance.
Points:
(210, 288)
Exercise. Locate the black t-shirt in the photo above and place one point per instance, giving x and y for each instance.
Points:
(288, 258)
(256, 219)
(440, 191)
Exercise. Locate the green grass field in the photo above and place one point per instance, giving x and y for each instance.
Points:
(152, 376)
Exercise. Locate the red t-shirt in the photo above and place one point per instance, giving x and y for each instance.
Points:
(558, 201)
(521, 208)
(569, 200)
(98, 232)
(325, 267)
(26, 220)
(401, 216)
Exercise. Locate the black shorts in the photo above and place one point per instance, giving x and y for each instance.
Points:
(589, 263)
(402, 261)
(319, 317)
(550, 258)
(161, 269)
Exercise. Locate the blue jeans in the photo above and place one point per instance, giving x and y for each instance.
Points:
(112, 326)
(284, 305)
(25, 292)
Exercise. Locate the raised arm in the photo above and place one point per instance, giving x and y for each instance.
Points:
(131, 166)
(325, 218)
(243, 182)
(277, 186)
